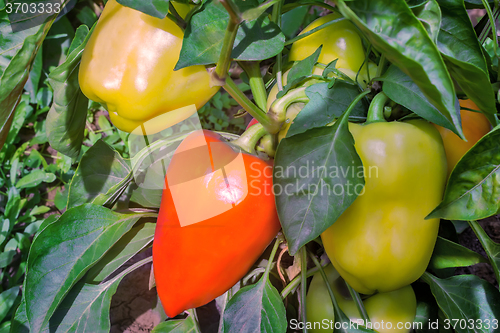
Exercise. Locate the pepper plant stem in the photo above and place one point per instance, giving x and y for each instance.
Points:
(303, 285)
(252, 68)
(376, 109)
(359, 303)
(248, 105)
(228, 42)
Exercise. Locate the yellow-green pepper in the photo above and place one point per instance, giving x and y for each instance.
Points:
(387, 312)
(382, 242)
(128, 66)
(340, 41)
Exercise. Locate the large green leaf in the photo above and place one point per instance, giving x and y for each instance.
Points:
(101, 171)
(394, 30)
(68, 113)
(473, 190)
(462, 52)
(466, 299)
(429, 14)
(255, 40)
(63, 251)
(309, 198)
(256, 308)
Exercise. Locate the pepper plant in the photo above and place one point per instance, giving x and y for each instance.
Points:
(375, 125)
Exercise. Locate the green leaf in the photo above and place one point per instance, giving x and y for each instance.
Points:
(66, 118)
(146, 197)
(63, 251)
(187, 325)
(86, 305)
(464, 58)
(256, 308)
(291, 21)
(20, 322)
(466, 297)
(7, 299)
(429, 14)
(473, 190)
(450, 254)
(17, 53)
(255, 40)
(20, 115)
(100, 172)
(80, 36)
(300, 70)
(308, 202)
(130, 244)
(392, 29)
(491, 248)
(6, 258)
(325, 105)
(400, 88)
(35, 178)
(156, 8)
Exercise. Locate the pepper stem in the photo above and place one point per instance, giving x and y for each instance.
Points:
(220, 72)
(247, 104)
(257, 85)
(248, 140)
(277, 112)
(376, 109)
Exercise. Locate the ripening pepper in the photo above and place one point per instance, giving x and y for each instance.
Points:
(217, 216)
(474, 124)
(128, 66)
(382, 242)
(340, 41)
(386, 311)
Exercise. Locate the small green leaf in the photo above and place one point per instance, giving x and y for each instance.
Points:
(325, 105)
(99, 171)
(35, 178)
(491, 248)
(155, 8)
(66, 118)
(429, 14)
(6, 258)
(450, 254)
(7, 299)
(300, 70)
(187, 325)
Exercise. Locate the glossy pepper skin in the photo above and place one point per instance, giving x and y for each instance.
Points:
(395, 307)
(382, 242)
(227, 199)
(475, 126)
(128, 66)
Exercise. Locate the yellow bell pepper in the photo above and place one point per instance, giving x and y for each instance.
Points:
(382, 242)
(392, 312)
(128, 66)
